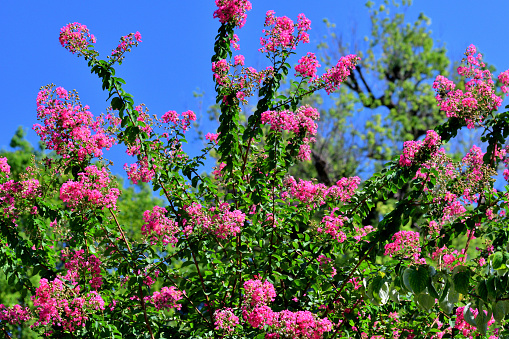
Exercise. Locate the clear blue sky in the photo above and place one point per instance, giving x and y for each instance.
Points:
(178, 36)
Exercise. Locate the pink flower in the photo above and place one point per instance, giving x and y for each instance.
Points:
(337, 74)
(232, 11)
(239, 60)
(75, 37)
(139, 171)
(405, 244)
(167, 298)
(212, 137)
(92, 190)
(225, 319)
(307, 66)
(159, 227)
(126, 43)
(4, 167)
(240, 95)
(68, 127)
(14, 315)
(137, 36)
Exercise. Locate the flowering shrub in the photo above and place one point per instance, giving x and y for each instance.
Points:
(249, 251)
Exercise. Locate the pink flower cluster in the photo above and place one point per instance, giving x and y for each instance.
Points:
(158, 226)
(315, 194)
(225, 319)
(286, 324)
(258, 293)
(302, 120)
(139, 171)
(333, 78)
(332, 225)
(307, 66)
(183, 122)
(362, 232)
(4, 167)
(479, 95)
(220, 70)
(232, 11)
(77, 266)
(220, 221)
(14, 196)
(57, 305)
(92, 190)
(75, 37)
(167, 298)
(281, 35)
(412, 148)
(504, 79)
(69, 128)
(126, 42)
(14, 315)
(234, 42)
(212, 137)
(447, 258)
(407, 245)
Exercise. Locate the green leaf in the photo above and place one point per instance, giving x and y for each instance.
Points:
(482, 290)
(500, 309)
(116, 103)
(467, 314)
(425, 301)
(481, 321)
(461, 281)
(498, 261)
(492, 292)
(452, 297)
(419, 279)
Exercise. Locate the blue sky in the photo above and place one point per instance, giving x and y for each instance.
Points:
(178, 36)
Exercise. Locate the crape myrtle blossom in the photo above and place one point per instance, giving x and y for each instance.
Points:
(448, 258)
(405, 244)
(411, 149)
(333, 78)
(158, 226)
(69, 128)
(327, 265)
(15, 314)
(212, 137)
(307, 66)
(464, 328)
(280, 35)
(225, 319)
(478, 99)
(4, 167)
(332, 225)
(311, 194)
(17, 197)
(59, 305)
(183, 122)
(504, 79)
(76, 37)
(78, 267)
(139, 171)
(303, 120)
(92, 190)
(219, 221)
(288, 324)
(125, 45)
(167, 298)
(232, 11)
